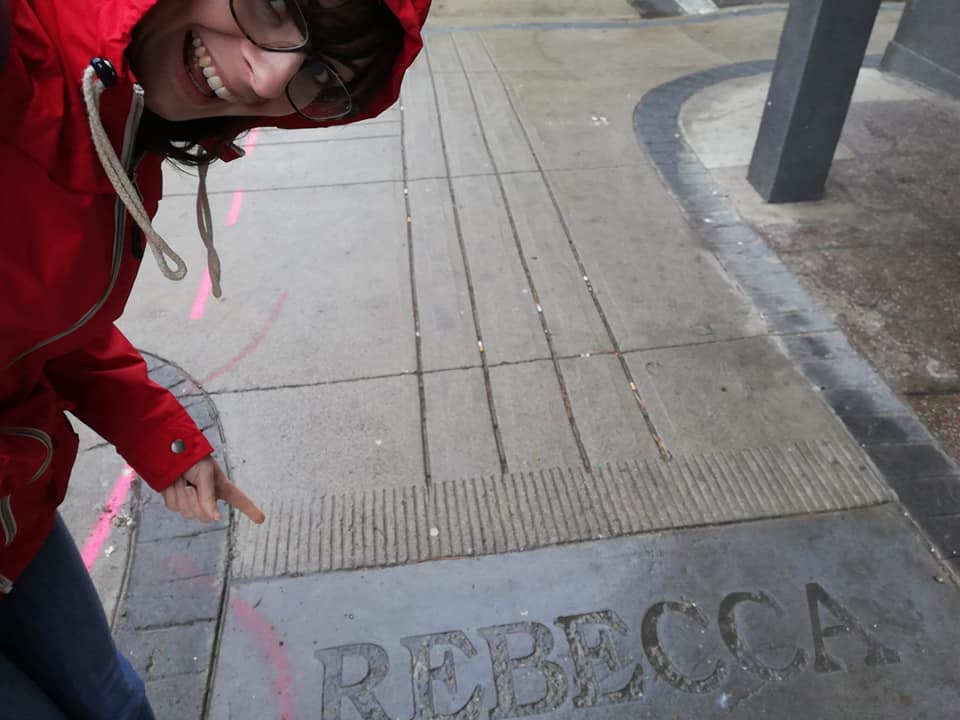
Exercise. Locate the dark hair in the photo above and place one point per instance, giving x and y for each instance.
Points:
(363, 36)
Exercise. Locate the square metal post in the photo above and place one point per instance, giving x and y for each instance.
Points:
(821, 52)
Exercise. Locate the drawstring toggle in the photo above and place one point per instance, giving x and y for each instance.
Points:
(105, 71)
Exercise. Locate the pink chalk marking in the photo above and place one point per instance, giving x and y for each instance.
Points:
(203, 293)
(234, 213)
(199, 307)
(251, 142)
(270, 647)
(257, 625)
(252, 345)
(101, 530)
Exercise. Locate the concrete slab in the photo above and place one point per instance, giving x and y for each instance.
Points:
(544, 9)
(506, 138)
(459, 426)
(757, 37)
(571, 130)
(786, 618)
(387, 125)
(443, 53)
(721, 122)
(533, 421)
(597, 57)
(574, 321)
(656, 282)
(734, 394)
(422, 143)
(509, 322)
(474, 57)
(749, 38)
(285, 166)
(370, 430)
(447, 329)
(572, 95)
(610, 421)
(464, 147)
(290, 446)
(327, 290)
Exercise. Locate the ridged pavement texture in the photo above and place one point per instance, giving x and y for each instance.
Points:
(522, 511)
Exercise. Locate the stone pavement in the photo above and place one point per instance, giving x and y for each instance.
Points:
(533, 418)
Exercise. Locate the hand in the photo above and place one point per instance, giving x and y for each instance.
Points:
(194, 495)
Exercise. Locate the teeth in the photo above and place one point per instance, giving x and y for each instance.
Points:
(205, 62)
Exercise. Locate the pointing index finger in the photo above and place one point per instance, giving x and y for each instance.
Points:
(235, 497)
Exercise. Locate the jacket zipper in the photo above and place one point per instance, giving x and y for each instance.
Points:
(120, 216)
(38, 435)
(7, 521)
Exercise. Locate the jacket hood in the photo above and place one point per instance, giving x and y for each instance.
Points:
(412, 15)
(53, 42)
(119, 17)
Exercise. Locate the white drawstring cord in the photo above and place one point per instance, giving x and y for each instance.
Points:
(93, 88)
(205, 225)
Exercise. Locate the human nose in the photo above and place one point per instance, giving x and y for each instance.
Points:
(271, 72)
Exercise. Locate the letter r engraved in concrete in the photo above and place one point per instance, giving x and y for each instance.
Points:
(877, 652)
(359, 693)
(661, 662)
(604, 651)
(504, 666)
(424, 675)
(748, 660)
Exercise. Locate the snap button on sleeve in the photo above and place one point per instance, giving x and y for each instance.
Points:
(178, 446)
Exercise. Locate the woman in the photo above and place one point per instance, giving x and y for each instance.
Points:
(95, 95)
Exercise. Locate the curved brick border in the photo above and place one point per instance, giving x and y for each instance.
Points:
(923, 476)
(168, 617)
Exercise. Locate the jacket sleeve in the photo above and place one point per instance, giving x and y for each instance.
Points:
(106, 382)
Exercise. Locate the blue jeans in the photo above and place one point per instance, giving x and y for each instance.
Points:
(57, 657)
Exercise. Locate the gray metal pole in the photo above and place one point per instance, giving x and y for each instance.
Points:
(821, 52)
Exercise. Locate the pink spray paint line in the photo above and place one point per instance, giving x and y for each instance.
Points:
(272, 650)
(199, 307)
(264, 634)
(250, 346)
(101, 530)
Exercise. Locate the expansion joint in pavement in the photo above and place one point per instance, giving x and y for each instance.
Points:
(525, 264)
(578, 258)
(415, 301)
(471, 290)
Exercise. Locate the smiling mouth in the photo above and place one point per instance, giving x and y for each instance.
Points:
(201, 70)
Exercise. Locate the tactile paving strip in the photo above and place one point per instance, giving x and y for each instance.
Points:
(486, 515)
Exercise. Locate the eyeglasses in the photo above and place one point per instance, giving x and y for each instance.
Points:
(316, 92)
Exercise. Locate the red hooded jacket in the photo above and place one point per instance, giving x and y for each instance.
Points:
(67, 262)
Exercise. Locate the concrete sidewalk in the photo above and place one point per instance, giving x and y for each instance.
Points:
(483, 324)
